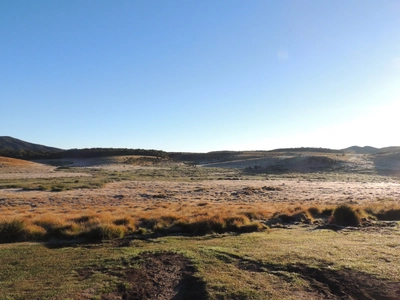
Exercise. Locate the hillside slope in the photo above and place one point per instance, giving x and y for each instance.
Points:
(8, 143)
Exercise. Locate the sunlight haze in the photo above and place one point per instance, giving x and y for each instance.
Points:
(200, 75)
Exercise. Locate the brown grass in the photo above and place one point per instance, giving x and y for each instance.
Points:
(189, 218)
(14, 162)
(166, 205)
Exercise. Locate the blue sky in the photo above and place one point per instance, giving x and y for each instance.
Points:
(200, 75)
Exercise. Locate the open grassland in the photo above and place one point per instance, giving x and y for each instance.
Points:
(137, 229)
(277, 264)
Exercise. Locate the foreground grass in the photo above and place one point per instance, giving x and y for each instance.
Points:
(31, 271)
(233, 263)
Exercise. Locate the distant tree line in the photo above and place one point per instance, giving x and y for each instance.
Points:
(198, 157)
(81, 153)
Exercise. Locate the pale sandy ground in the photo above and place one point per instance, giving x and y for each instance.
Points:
(131, 193)
(225, 191)
(48, 173)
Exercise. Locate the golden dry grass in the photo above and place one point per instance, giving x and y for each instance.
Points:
(14, 162)
(174, 202)
(166, 216)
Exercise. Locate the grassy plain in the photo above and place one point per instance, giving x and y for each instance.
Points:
(170, 231)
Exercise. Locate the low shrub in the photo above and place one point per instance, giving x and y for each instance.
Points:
(12, 231)
(345, 215)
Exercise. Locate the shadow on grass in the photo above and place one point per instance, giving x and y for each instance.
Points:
(329, 283)
(127, 241)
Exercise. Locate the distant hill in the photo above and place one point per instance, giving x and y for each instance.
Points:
(10, 144)
(307, 149)
(389, 149)
(361, 150)
(371, 150)
(104, 152)
(15, 148)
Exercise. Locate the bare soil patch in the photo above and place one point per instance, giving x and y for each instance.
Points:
(159, 276)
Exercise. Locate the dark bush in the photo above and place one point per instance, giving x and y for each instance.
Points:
(12, 231)
(345, 215)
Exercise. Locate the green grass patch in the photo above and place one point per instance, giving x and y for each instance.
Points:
(260, 265)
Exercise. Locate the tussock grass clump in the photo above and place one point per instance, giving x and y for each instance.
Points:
(201, 225)
(303, 217)
(12, 231)
(296, 217)
(122, 221)
(215, 224)
(327, 211)
(83, 219)
(34, 232)
(389, 215)
(314, 210)
(219, 224)
(55, 227)
(388, 212)
(256, 214)
(160, 223)
(242, 224)
(345, 215)
(110, 231)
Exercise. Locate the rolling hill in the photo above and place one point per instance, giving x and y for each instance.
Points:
(8, 143)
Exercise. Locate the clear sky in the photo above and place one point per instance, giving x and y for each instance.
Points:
(200, 75)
